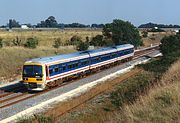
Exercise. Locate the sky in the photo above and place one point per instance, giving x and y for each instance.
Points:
(91, 11)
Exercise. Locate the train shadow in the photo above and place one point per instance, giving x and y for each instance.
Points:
(14, 88)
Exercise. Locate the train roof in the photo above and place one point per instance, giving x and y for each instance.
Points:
(109, 49)
(60, 57)
(77, 55)
(125, 46)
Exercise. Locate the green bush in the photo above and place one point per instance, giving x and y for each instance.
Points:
(1, 43)
(97, 40)
(57, 43)
(170, 46)
(81, 46)
(75, 40)
(31, 43)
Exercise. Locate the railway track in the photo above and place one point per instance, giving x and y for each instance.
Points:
(15, 95)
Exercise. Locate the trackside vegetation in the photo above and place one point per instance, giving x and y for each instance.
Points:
(129, 91)
(170, 48)
(150, 96)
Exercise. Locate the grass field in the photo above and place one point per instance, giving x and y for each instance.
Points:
(46, 38)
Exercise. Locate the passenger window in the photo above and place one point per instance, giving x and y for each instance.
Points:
(64, 67)
(56, 69)
(95, 59)
(83, 63)
(114, 55)
(60, 69)
(70, 66)
(76, 65)
(73, 65)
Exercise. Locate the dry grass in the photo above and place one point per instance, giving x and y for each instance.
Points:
(12, 58)
(46, 38)
(161, 105)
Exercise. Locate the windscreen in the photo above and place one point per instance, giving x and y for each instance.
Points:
(32, 71)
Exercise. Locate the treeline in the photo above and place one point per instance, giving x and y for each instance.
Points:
(152, 25)
(50, 22)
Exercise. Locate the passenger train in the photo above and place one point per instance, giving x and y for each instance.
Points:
(41, 73)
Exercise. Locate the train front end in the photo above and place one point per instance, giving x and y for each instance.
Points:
(34, 76)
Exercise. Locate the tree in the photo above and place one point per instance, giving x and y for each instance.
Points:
(170, 45)
(13, 23)
(76, 25)
(152, 25)
(121, 32)
(31, 43)
(50, 22)
(97, 25)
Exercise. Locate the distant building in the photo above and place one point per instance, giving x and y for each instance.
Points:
(176, 30)
(91, 48)
(24, 27)
(155, 27)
